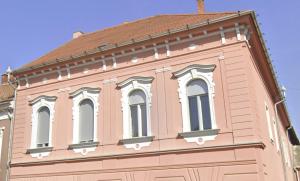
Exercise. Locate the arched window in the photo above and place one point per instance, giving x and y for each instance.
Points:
(196, 95)
(43, 127)
(199, 107)
(86, 121)
(85, 118)
(138, 113)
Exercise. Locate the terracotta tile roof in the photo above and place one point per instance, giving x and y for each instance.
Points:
(6, 92)
(124, 32)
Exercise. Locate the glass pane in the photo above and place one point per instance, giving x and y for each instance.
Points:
(197, 87)
(193, 108)
(137, 97)
(206, 112)
(86, 121)
(134, 121)
(43, 127)
(144, 119)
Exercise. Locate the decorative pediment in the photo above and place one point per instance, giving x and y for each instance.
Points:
(141, 80)
(43, 98)
(85, 89)
(197, 67)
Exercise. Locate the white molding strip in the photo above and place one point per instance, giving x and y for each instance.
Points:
(1, 140)
(156, 56)
(223, 38)
(238, 32)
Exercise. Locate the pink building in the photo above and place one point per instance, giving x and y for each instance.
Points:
(166, 98)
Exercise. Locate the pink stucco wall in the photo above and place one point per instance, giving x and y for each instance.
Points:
(241, 151)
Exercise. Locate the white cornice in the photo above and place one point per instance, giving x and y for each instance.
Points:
(85, 89)
(143, 80)
(46, 98)
(203, 68)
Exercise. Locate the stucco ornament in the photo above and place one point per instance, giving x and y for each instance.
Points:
(184, 76)
(37, 103)
(78, 96)
(137, 146)
(127, 86)
(84, 151)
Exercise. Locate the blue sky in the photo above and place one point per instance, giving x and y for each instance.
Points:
(31, 28)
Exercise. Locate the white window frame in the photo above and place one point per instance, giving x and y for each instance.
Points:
(128, 86)
(1, 141)
(186, 75)
(139, 116)
(268, 117)
(37, 104)
(78, 96)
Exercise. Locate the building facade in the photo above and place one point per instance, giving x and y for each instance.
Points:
(167, 98)
(6, 114)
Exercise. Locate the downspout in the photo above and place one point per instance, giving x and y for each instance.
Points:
(279, 137)
(12, 122)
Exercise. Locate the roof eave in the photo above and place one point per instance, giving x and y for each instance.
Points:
(134, 41)
(253, 15)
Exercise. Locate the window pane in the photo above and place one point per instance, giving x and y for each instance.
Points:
(197, 87)
(144, 119)
(137, 97)
(134, 120)
(205, 112)
(193, 108)
(86, 121)
(43, 127)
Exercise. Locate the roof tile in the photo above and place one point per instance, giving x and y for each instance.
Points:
(124, 32)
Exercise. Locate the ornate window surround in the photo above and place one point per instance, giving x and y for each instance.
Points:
(78, 96)
(184, 76)
(127, 86)
(37, 103)
(1, 140)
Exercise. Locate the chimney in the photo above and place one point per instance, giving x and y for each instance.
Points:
(201, 6)
(4, 79)
(7, 76)
(77, 34)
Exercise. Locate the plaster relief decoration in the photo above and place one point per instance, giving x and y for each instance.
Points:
(136, 108)
(192, 47)
(42, 126)
(85, 120)
(196, 94)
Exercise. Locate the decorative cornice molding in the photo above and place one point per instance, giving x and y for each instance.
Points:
(203, 68)
(87, 89)
(47, 98)
(143, 80)
(260, 145)
(95, 61)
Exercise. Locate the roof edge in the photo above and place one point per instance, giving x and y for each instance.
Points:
(143, 39)
(253, 15)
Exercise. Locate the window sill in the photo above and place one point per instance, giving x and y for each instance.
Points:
(210, 132)
(137, 143)
(83, 145)
(137, 140)
(39, 150)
